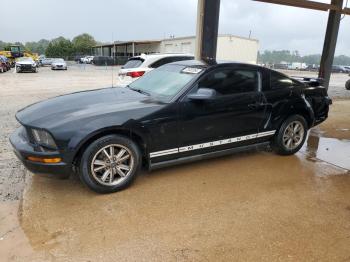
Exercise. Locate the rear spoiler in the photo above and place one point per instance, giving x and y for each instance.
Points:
(310, 81)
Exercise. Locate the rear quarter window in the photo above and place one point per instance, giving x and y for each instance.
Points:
(278, 81)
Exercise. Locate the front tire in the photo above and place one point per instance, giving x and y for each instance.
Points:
(290, 136)
(110, 164)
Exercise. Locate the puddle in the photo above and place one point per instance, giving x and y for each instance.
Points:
(330, 150)
(343, 129)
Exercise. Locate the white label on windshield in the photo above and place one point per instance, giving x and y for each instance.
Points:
(191, 70)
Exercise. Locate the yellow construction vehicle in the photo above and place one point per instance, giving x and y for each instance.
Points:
(15, 51)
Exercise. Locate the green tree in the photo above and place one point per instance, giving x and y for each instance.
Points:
(342, 60)
(83, 43)
(60, 47)
(312, 59)
(275, 57)
(3, 45)
(37, 47)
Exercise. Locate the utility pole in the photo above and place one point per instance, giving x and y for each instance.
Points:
(207, 30)
(330, 42)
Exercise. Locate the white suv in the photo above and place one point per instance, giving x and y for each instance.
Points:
(137, 66)
(87, 59)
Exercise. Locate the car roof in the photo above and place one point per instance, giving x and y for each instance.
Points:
(159, 55)
(198, 63)
(149, 59)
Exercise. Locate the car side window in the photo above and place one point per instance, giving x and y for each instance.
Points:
(278, 80)
(231, 81)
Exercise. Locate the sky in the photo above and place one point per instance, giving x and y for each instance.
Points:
(276, 27)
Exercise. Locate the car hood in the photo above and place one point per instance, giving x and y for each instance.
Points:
(25, 62)
(82, 107)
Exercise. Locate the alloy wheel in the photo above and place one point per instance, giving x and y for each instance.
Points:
(293, 135)
(112, 164)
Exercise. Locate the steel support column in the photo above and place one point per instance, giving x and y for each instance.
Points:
(207, 29)
(330, 42)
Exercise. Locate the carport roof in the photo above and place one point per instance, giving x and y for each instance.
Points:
(117, 43)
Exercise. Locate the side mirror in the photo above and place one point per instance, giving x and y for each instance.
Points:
(203, 94)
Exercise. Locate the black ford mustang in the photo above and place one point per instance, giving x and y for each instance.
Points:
(182, 111)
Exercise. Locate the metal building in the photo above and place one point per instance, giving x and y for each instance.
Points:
(230, 47)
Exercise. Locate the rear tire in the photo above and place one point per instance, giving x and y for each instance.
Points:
(347, 85)
(110, 164)
(290, 136)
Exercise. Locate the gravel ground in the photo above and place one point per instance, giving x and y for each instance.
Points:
(20, 90)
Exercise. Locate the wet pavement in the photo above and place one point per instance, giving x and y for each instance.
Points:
(250, 206)
(245, 207)
(330, 150)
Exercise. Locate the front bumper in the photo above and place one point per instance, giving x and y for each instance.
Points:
(26, 68)
(24, 149)
(56, 67)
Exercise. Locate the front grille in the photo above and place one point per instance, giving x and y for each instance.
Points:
(26, 66)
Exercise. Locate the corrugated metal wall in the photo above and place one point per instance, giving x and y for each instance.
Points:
(229, 48)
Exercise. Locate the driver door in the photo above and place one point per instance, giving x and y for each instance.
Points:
(235, 111)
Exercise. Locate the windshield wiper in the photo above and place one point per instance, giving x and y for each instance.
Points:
(139, 91)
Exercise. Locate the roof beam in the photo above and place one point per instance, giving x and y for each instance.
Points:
(308, 5)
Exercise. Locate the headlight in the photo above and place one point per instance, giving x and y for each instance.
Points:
(43, 138)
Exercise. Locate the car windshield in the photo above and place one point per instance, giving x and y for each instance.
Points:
(59, 60)
(24, 59)
(165, 82)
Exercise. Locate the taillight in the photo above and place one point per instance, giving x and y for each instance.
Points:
(135, 74)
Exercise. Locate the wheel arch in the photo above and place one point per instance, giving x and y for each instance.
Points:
(298, 109)
(131, 134)
(307, 115)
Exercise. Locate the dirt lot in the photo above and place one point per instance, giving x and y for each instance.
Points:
(249, 206)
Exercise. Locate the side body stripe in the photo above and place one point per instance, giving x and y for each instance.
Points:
(211, 144)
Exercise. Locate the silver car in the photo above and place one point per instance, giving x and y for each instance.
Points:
(46, 61)
(59, 64)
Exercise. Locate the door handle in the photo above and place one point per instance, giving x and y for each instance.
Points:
(256, 105)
